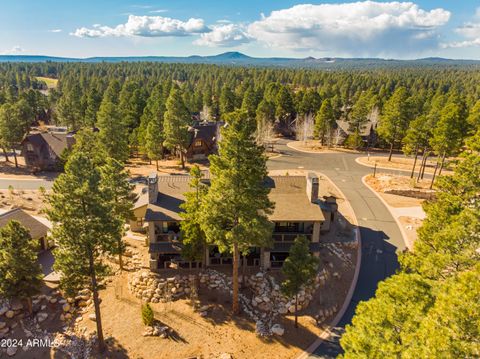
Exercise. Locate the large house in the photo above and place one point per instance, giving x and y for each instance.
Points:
(42, 150)
(38, 230)
(298, 211)
(204, 139)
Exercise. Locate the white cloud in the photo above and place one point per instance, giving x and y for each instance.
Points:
(13, 51)
(159, 11)
(228, 35)
(146, 26)
(470, 31)
(55, 30)
(360, 28)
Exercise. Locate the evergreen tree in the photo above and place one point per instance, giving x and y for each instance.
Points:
(154, 142)
(193, 237)
(385, 326)
(395, 119)
(85, 228)
(227, 100)
(249, 103)
(284, 108)
(113, 132)
(13, 125)
(20, 272)
(234, 212)
(118, 190)
(299, 269)
(176, 123)
(324, 122)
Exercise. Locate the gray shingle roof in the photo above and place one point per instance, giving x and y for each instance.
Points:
(36, 228)
(287, 192)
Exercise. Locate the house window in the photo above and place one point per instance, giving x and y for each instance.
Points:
(198, 143)
(29, 147)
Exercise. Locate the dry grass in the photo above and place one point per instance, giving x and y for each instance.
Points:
(315, 146)
(139, 167)
(400, 163)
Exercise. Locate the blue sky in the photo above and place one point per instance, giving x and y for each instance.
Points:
(258, 28)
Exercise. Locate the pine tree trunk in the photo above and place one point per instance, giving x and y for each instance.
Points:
(433, 177)
(442, 163)
(6, 155)
(15, 157)
(29, 305)
(96, 303)
(156, 162)
(182, 159)
(296, 309)
(421, 165)
(414, 162)
(120, 258)
(235, 306)
(391, 152)
(425, 164)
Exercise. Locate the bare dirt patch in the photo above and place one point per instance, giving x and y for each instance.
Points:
(140, 167)
(315, 146)
(388, 185)
(400, 163)
(32, 201)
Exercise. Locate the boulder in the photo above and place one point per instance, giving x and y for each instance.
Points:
(66, 307)
(11, 351)
(277, 329)
(16, 305)
(10, 314)
(41, 317)
(2, 325)
(92, 317)
(225, 356)
(3, 310)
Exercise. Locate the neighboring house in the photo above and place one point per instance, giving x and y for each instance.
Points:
(38, 230)
(204, 139)
(137, 224)
(42, 150)
(298, 211)
(368, 132)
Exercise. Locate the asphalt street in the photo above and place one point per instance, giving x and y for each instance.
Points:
(380, 235)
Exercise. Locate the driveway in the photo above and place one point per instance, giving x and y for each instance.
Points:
(381, 237)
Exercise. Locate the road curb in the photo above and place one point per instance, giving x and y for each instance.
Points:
(327, 332)
(288, 144)
(402, 230)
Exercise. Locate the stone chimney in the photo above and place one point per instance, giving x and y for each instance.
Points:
(312, 187)
(152, 187)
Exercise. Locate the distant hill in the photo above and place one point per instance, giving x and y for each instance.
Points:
(237, 58)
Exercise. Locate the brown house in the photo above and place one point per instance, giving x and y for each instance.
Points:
(42, 150)
(38, 230)
(204, 139)
(298, 211)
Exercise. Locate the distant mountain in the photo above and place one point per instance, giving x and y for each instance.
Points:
(237, 58)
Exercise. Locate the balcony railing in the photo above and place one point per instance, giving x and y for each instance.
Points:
(289, 237)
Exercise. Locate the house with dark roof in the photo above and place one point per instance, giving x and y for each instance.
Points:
(38, 230)
(298, 211)
(42, 150)
(204, 139)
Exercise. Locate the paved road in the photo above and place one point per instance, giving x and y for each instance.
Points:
(381, 237)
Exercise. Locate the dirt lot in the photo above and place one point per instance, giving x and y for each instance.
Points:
(32, 201)
(315, 146)
(400, 163)
(139, 167)
(219, 332)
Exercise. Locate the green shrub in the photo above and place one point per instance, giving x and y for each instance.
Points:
(147, 315)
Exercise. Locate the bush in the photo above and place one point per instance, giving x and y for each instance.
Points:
(354, 141)
(147, 315)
